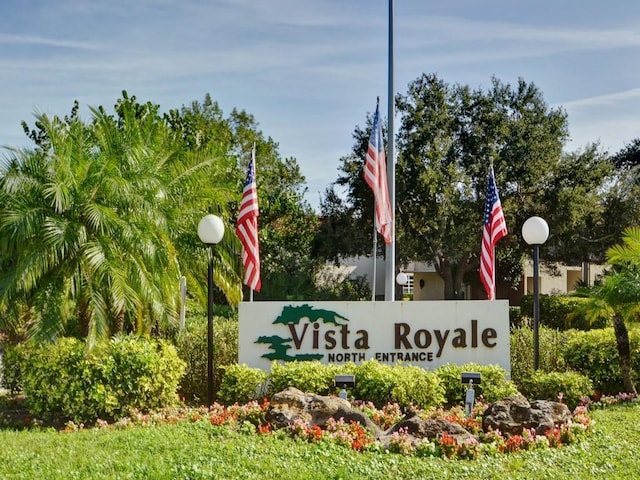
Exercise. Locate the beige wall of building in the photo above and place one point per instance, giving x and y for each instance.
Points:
(563, 279)
(427, 284)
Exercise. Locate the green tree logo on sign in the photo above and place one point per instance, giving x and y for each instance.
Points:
(292, 316)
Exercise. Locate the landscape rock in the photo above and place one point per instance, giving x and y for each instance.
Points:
(514, 414)
(292, 404)
(419, 429)
(511, 416)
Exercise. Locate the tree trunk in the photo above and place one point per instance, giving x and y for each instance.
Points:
(453, 277)
(84, 317)
(624, 352)
(118, 322)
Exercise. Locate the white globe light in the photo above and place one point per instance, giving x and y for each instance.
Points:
(211, 229)
(535, 231)
(402, 278)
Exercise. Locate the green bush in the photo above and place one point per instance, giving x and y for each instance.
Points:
(145, 374)
(551, 345)
(13, 360)
(595, 354)
(241, 384)
(191, 344)
(405, 385)
(61, 381)
(562, 312)
(494, 384)
(568, 387)
(515, 317)
(309, 377)
(415, 386)
(375, 382)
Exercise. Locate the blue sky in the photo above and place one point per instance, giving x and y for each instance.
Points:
(310, 70)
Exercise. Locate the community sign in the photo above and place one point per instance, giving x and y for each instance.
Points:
(422, 333)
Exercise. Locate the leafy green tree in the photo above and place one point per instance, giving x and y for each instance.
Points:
(447, 139)
(286, 223)
(629, 157)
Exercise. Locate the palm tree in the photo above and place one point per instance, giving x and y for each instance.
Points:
(619, 296)
(95, 218)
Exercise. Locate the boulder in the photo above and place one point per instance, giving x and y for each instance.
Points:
(431, 429)
(292, 404)
(511, 416)
(514, 414)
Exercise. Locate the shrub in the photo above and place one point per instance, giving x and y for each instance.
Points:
(595, 355)
(191, 344)
(552, 343)
(568, 387)
(377, 383)
(145, 373)
(62, 381)
(311, 377)
(415, 386)
(13, 360)
(494, 384)
(515, 317)
(562, 312)
(374, 383)
(241, 384)
(405, 385)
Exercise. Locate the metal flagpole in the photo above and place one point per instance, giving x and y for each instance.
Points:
(255, 172)
(390, 260)
(375, 256)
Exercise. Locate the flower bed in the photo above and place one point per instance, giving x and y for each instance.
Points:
(249, 419)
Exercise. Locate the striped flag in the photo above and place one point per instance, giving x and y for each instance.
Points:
(375, 174)
(247, 228)
(493, 229)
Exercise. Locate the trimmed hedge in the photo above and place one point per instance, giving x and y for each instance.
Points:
(562, 312)
(241, 384)
(13, 360)
(494, 384)
(63, 382)
(552, 344)
(595, 354)
(405, 385)
(314, 377)
(566, 387)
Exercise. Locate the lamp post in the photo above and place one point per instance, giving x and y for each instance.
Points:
(535, 232)
(402, 280)
(210, 231)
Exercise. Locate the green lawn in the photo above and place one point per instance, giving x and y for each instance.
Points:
(198, 451)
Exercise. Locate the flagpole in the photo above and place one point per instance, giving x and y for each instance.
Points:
(493, 248)
(375, 238)
(390, 263)
(375, 255)
(255, 171)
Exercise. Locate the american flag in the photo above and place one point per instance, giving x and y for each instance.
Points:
(375, 174)
(493, 229)
(247, 228)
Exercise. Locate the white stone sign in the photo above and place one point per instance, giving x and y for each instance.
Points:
(423, 333)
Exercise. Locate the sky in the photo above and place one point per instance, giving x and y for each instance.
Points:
(309, 71)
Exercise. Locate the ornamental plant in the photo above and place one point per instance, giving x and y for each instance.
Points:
(62, 381)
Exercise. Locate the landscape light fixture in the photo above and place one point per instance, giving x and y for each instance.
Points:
(210, 231)
(535, 232)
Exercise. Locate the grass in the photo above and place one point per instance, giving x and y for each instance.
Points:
(201, 451)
